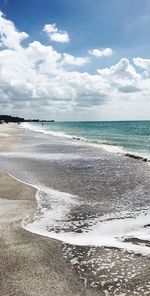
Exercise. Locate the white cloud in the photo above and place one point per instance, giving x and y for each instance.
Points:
(56, 35)
(9, 36)
(143, 63)
(36, 80)
(50, 28)
(102, 52)
(123, 70)
(122, 76)
(69, 59)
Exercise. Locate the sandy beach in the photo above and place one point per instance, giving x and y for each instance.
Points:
(50, 257)
(29, 264)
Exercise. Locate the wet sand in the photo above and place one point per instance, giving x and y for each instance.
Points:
(29, 264)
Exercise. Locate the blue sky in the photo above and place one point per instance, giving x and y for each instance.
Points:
(120, 25)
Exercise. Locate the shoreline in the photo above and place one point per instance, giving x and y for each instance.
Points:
(30, 264)
(106, 146)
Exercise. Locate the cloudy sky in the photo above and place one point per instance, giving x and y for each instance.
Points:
(75, 60)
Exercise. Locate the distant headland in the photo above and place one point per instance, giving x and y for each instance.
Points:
(9, 118)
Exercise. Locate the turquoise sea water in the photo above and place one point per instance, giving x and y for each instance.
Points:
(133, 136)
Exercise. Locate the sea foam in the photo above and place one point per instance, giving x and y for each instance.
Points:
(126, 231)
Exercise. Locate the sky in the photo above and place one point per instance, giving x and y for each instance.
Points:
(75, 60)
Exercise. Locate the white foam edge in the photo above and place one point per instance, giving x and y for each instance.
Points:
(43, 156)
(98, 144)
(64, 198)
(103, 234)
(44, 131)
(106, 233)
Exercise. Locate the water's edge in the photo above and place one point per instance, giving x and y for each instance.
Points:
(94, 143)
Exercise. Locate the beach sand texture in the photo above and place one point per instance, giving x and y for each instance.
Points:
(29, 264)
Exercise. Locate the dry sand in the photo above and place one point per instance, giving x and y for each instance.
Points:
(30, 265)
(8, 135)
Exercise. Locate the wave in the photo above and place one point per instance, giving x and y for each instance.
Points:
(126, 230)
(107, 146)
(45, 131)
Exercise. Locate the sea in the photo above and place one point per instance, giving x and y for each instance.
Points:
(93, 195)
(115, 136)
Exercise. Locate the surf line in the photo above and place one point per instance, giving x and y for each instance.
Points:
(52, 208)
